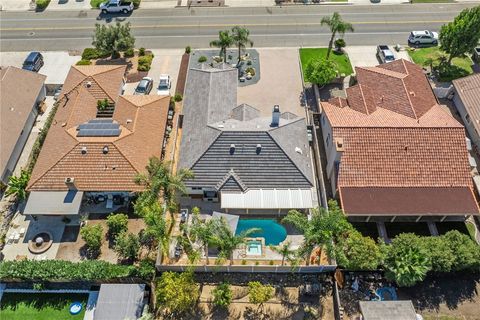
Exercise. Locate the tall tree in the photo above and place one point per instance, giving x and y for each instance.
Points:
(113, 39)
(204, 231)
(259, 293)
(225, 41)
(17, 185)
(227, 241)
(320, 71)
(177, 293)
(156, 226)
(407, 262)
(462, 34)
(321, 229)
(284, 250)
(336, 25)
(241, 39)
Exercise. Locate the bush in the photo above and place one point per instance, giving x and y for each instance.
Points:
(177, 292)
(177, 97)
(146, 269)
(222, 295)
(129, 53)
(92, 235)
(96, 3)
(259, 293)
(90, 53)
(340, 43)
(55, 270)
(141, 51)
(320, 71)
(202, 59)
(127, 246)
(136, 3)
(117, 223)
(42, 4)
(145, 62)
(188, 49)
(84, 62)
(251, 71)
(102, 104)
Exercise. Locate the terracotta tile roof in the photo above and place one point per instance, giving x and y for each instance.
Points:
(19, 90)
(142, 121)
(468, 90)
(403, 146)
(408, 201)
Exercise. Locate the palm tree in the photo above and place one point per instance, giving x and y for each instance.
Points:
(241, 40)
(336, 24)
(156, 226)
(227, 241)
(284, 250)
(225, 41)
(160, 179)
(204, 232)
(18, 185)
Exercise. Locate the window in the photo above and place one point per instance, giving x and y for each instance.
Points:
(328, 140)
(467, 118)
(323, 119)
(196, 188)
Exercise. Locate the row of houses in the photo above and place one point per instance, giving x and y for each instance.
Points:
(393, 152)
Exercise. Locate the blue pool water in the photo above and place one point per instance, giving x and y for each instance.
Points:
(273, 232)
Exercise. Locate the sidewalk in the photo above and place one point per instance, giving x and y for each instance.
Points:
(17, 5)
(69, 5)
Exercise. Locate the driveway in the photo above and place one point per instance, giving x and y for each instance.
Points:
(165, 61)
(366, 56)
(56, 67)
(280, 83)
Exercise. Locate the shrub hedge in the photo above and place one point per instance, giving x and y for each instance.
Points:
(42, 4)
(50, 270)
(96, 3)
(84, 62)
(144, 62)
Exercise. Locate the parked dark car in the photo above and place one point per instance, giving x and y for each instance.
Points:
(144, 86)
(33, 62)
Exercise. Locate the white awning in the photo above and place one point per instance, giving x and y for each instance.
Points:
(54, 202)
(268, 199)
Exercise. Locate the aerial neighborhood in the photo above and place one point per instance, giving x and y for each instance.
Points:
(226, 159)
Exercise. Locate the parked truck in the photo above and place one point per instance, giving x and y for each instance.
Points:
(384, 54)
(116, 6)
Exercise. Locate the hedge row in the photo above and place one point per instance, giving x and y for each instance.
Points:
(59, 270)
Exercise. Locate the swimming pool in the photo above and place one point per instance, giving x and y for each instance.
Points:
(273, 232)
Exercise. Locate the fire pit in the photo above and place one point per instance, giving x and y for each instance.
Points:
(40, 242)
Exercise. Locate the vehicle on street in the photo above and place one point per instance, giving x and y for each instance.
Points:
(144, 86)
(116, 6)
(33, 62)
(423, 37)
(384, 54)
(164, 85)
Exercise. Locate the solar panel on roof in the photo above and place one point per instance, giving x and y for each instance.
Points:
(99, 128)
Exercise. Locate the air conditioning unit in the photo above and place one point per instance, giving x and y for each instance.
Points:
(69, 180)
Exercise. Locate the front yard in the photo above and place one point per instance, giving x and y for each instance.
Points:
(461, 67)
(341, 60)
(40, 306)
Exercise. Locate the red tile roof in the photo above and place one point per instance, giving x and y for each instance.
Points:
(400, 145)
(142, 120)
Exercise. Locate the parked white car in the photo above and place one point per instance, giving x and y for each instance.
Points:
(116, 6)
(423, 37)
(164, 85)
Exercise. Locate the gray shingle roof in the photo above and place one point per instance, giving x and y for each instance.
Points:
(213, 122)
(391, 310)
(119, 301)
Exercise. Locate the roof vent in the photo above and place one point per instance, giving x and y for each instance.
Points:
(88, 84)
(232, 148)
(259, 148)
(69, 181)
(84, 150)
(129, 120)
(105, 150)
(339, 144)
(412, 93)
(298, 150)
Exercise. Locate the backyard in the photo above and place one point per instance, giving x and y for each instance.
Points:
(341, 60)
(40, 306)
(461, 66)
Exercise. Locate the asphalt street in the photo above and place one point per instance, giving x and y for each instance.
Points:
(269, 27)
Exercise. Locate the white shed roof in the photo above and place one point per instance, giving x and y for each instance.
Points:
(268, 199)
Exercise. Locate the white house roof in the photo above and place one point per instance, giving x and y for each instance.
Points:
(269, 199)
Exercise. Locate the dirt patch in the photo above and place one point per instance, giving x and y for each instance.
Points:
(286, 304)
(74, 250)
(182, 74)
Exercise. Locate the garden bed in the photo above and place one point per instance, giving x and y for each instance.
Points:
(341, 60)
(40, 306)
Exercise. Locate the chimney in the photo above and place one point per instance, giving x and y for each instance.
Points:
(275, 116)
(70, 182)
(232, 148)
(259, 148)
(339, 144)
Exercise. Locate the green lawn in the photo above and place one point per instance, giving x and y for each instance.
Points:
(463, 66)
(342, 61)
(40, 306)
